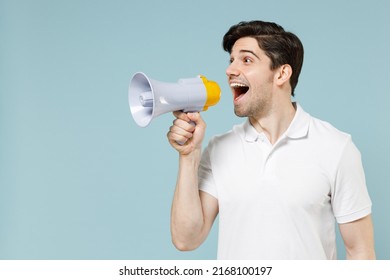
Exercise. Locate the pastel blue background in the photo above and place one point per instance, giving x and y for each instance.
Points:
(79, 179)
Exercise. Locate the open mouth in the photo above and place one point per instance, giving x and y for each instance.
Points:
(239, 89)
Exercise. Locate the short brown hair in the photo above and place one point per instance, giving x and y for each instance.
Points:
(280, 46)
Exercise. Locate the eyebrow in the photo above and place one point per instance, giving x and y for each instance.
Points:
(249, 51)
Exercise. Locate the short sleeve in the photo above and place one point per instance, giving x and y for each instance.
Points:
(205, 174)
(350, 198)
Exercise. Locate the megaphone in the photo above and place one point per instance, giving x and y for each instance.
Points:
(149, 98)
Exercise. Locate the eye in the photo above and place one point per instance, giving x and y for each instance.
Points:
(231, 60)
(247, 60)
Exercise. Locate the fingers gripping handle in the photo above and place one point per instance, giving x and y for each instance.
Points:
(181, 143)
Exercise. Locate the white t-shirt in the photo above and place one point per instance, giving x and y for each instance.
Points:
(280, 201)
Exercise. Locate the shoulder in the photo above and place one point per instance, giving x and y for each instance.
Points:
(230, 142)
(327, 134)
(321, 137)
(228, 138)
(332, 145)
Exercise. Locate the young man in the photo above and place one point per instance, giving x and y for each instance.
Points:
(279, 180)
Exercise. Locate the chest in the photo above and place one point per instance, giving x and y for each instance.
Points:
(257, 177)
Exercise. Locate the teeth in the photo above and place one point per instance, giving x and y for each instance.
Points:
(238, 85)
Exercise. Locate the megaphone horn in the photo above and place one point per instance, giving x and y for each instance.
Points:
(149, 98)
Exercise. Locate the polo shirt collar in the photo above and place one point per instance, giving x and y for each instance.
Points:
(298, 128)
(251, 134)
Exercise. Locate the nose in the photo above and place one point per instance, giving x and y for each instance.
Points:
(232, 70)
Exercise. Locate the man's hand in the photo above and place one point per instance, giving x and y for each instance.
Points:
(183, 135)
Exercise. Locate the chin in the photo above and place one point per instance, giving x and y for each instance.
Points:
(239, 113)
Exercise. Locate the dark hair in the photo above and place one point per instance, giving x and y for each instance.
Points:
(280, 46)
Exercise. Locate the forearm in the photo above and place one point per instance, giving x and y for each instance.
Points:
(187, 219)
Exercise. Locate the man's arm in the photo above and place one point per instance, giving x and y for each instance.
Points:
(358, 239)
(193, 211)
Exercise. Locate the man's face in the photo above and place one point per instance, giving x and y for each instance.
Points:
(250, 78)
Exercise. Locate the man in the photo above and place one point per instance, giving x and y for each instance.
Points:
(279, 180)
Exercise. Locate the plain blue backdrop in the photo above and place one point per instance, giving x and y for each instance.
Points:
(79, 179)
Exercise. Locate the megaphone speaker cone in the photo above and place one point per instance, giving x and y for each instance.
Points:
(141, 99)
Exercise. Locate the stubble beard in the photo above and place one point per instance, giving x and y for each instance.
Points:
(254, 108)
(259, 103)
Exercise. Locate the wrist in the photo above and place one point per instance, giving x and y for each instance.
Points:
(192, 158)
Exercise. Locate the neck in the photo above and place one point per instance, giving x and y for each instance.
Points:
(276, 122)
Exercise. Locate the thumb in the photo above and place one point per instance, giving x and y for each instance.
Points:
(196, 118)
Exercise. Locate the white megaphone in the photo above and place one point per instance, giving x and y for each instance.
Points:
(149, 99)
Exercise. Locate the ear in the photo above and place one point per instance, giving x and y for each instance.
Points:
(283, 74)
